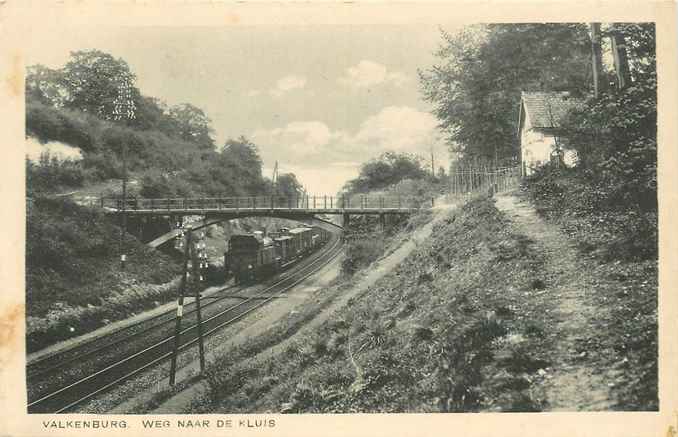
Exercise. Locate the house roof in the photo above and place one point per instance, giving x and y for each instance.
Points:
(546, 109)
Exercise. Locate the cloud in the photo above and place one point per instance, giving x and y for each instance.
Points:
(399, 128)
(286, 84)
(314, 144)
(296, 138)
(368, 74)
(55, 148)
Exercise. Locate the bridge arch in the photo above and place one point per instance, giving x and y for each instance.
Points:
(211, 219)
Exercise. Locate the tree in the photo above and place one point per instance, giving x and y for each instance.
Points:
(45, 85)
(153, 113)
(475, 86)
(288, 186)
(388, 169)
(92, 78)
(192, 125)
(235, 170)
(615, 135)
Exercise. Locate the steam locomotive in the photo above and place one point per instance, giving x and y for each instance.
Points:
(251, 257)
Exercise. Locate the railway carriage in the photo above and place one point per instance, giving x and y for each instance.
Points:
(283, 245)
(252, 256)
(301, 238)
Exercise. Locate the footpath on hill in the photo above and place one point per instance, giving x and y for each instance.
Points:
(574, 383)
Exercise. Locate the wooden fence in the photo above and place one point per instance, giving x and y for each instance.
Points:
(472, 181)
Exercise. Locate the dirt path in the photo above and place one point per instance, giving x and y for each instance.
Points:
(577, 382)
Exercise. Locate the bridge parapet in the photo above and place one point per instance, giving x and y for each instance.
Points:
(302, 204)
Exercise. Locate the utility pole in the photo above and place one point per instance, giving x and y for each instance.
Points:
(199, 270)
(274, 179)
(124, 108)
(123, 227)
(597, 62)
(433, 166)
(180, 307)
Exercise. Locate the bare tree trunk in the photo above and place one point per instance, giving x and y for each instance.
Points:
(621, 62)
(597, 62)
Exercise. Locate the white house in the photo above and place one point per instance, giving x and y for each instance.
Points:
(539, 128)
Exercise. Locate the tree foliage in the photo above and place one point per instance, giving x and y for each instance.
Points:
(386, 170)
(92, 79)
(475, 85)
(288, 186)
(616, 134)
(475, 88)
(50, 172)
(192, 125)
(90, 82)
(169, 148)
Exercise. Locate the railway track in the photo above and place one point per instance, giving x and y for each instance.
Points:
(64, 384)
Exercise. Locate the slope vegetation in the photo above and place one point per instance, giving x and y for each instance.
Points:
(441, 332)
(472, 320)
(74, 282)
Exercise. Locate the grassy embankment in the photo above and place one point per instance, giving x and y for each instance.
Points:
(73, 280)
(464, 324)
(436, 334)
(75, 284)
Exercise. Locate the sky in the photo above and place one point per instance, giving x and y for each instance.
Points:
(320, 100)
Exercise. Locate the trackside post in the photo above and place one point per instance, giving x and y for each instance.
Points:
(180, 310)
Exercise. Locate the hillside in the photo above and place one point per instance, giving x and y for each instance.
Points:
(475, 319)
(74, 280)
(74, 283)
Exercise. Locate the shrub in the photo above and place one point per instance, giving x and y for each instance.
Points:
(360, 252)
(50, 124)
(51, 173)
(589, 210)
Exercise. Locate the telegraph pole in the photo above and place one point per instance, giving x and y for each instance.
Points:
(180, 307)
(124, 108)
(433, 167)
(123, 229)
(199, 269)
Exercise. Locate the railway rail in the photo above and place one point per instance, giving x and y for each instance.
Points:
(61, 394)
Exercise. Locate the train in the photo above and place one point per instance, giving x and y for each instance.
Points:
(250, 257)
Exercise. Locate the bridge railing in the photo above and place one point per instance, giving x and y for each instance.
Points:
(267, 202)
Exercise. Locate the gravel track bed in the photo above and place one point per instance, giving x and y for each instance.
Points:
(155, 380)
(158, 330)
(93, 363)
(61, 359)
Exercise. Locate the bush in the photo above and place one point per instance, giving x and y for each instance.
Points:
(589, 211)
(615, 134)
(51, 173)
(71, 256)
(360, 253)
(49, 124)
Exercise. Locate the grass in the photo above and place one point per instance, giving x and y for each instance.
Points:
(466, 323)
(440, 333)
(73, 280)
(621, 241)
